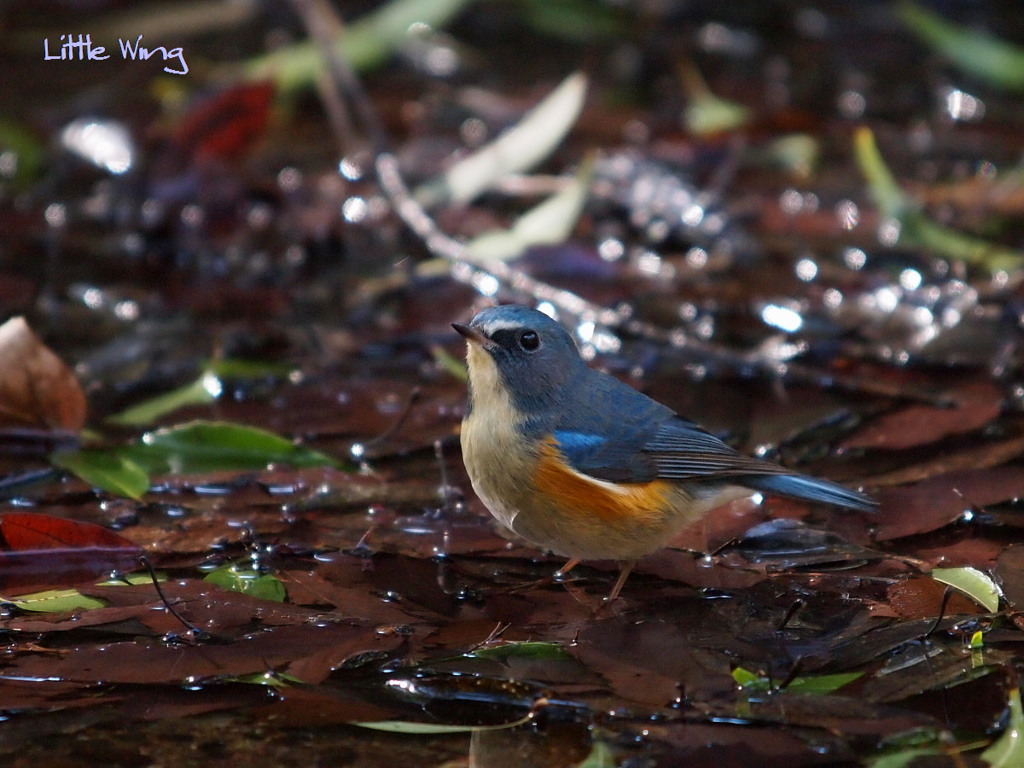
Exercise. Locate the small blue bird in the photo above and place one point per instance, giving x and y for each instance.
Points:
(580, 464)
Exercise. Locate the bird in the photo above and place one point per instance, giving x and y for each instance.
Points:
(587, 467)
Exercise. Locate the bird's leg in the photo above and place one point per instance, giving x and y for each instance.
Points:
(557, 576)
(625, 568)
(562, 572)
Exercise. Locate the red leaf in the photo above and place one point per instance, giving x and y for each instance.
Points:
(228, 124)
(35, 531)
(41, 551)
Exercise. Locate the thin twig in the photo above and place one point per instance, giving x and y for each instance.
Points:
(340, 81)
(197, 633)
(473, 271)
(323, 25)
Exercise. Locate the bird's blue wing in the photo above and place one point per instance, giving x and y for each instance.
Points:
(683, 451)
(621, 439)
(603, 430)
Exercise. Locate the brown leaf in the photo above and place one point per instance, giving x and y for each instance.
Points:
(36, 388)
(987, 454)
(921, 598)
(42, 551)
(147, 661)
(936, 502)
(977, 403)
(1010, 572)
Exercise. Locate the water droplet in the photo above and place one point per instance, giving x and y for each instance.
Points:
(847, 213)
(852, 104)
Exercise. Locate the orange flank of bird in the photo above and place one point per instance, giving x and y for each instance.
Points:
(642, 504)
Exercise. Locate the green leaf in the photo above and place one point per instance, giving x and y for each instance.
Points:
(916, 230)
(902, 758)
(203, 391)
(796, 153)
(705, 112)
(578, 20)
(264, 586)
(367, 42)
(745, 678)
(956, 245)
(234, 369)
(524, 650)
(996, 61)
(973, 583)
(106, 469)
(892, 202)
(452, 365)
(1008, 750)
(822, 683)
(410, 727)
(548, 223)
(56, 601)
(814, 684)
(27, 151)
(63, 600)
(600, 757)
(205, 446)
(902, 749)
(405, 726)
(521, 147)
(275, 680)
(198, 446)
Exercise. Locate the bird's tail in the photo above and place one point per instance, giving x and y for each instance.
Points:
(811, 489)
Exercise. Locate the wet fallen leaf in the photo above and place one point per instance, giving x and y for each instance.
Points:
(600, 756)
(150, 661)
(367, 42)
(520, 148)
(996, 61)
(529, 650)
(202, 391)
(550, 222)
(916, 229)
(209, 445)
(809, 684)
(941, 500)
(977, 404)
(237, 578)
(226, 125)
(987, 454)
(66, 600)
(36, 388)
(198, 446)
(707, 113)
(922, 598)
(976, 585)
(1010, 572)
(108, 470)
(41, 550)
(56, 601)
(29, 151)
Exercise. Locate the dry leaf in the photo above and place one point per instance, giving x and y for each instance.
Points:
(36, 388)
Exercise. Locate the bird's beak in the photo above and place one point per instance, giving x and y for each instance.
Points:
(472, 335)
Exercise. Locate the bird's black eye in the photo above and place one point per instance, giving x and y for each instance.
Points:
(529, 340)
